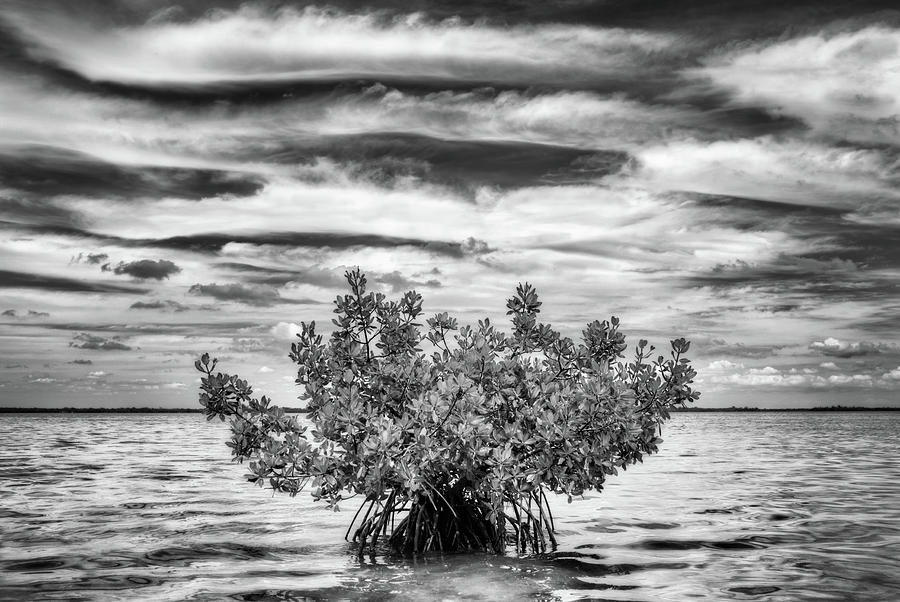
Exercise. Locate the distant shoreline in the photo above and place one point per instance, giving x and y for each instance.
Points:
(145, 410)
(69, 410)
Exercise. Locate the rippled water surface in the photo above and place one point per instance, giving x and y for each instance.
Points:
(763, 506)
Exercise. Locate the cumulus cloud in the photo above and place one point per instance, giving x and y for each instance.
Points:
(254, 45)
(286, 331)
(265, 369)
(828, 366)
(837, 348)
(844, 84)
(145, 269)
(770, 376)
(89, 341)
(803, 379)
(723, 365)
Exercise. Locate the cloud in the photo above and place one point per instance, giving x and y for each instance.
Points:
(892, 375)
(845, 349)
(771, 377)
(333, 240)
(247, 345)
(89, 341)
(844, 83)
(265, 370)
(277, 276)
(91, 258)
(10, 279)
(147, 268)
(157, 304)
(404, 159)
(828, 366)
(252, 45)
(850, 379)
(286, 331)
(47, 171)
(81, 362)
(398, 282)
(239, 293)
(791, 171)
(723, 365)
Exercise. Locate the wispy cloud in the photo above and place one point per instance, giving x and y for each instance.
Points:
(842, 83)
(254, 45)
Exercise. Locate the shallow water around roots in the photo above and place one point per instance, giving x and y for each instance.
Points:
(737, 506)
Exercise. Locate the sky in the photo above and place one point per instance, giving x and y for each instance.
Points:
(185, 177)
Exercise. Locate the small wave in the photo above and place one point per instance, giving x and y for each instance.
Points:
(178, 556)
(745, 543)
(755, 590)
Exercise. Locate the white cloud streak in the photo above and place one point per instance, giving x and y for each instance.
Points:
(251, 44)
(844, 84)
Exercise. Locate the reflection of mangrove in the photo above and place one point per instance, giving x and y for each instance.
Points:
(71, 410)
(452, 437)
(814, 409)
(74, 410)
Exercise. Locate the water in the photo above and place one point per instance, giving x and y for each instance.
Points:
(764, 506)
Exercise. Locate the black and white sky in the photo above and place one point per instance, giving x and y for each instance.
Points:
(180, 177)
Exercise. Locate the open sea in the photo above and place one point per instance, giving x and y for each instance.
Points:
(737, 506)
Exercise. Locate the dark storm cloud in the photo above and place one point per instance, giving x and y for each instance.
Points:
(50, 171)
(213, 242)
(385, 158)
(167, 305)
(796, 270)
(89, 341)
(10, 279)
(34, 209)
(840, 255)
(56, 230)
(145, 269)
(239, 293)
(278, 276)
(187, 329)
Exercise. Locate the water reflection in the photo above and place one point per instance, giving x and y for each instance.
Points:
(737, 506)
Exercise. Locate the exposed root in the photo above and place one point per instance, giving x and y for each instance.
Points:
(455, 520)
